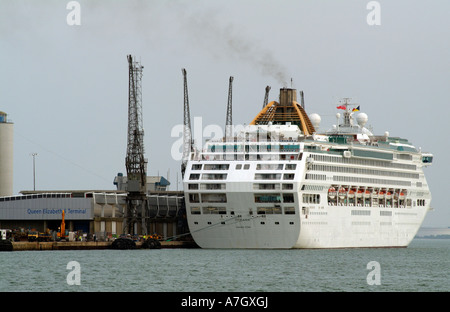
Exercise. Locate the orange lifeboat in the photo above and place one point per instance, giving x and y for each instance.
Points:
(342, 192)
(332, 192)
(360, 192)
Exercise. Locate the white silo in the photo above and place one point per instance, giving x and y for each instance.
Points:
(6, 155)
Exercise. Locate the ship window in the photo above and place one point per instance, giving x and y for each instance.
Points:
(195, 210)
(267, 176)
(289, 210)
(291, 166)
(288, 176)
(197, 167)
(404, 156)
(288, 186)
(194, 176)
(288, 198)
(421, 202)
(238, 167)
(246, 166)
(214, 176)
(214, 198)
(269, 167)
(360, 212)
(268, 210)
(193, 186)
(194, 198)
(213, 186)
(266, 186)
(311, 198)
(267, 198)
(214, 210)
(427, 159)
(216, 167)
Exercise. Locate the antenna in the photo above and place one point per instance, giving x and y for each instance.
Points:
(266, 97)
(302, 99)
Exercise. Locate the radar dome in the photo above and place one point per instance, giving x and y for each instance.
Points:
(315, 120)
(362, 118)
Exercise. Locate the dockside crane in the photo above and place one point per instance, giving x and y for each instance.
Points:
(136, 164)
(187, 134)
(229, 119)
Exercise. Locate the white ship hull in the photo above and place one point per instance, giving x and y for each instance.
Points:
(308, 225)
(334, 230)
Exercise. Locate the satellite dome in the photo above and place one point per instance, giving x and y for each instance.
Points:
(315, 120)
(362, 118)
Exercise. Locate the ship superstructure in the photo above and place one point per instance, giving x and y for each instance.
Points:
(279, 183)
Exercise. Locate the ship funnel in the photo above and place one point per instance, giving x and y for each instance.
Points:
(285, 112)
(287, 96)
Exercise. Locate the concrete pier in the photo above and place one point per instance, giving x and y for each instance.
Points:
(21, 246)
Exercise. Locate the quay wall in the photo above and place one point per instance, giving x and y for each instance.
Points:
(22, 246)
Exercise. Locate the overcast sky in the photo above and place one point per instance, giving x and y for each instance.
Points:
(65, 87)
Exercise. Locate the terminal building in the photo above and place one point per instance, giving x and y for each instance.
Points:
(99, 212)
(90, 212)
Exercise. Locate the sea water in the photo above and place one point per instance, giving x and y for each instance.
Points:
(422, 267)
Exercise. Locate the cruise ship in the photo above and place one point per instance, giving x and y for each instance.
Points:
(280, 184)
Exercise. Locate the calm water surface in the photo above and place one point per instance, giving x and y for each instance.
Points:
(423, 266)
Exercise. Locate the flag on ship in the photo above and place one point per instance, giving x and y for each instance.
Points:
(356, 109)
(342, 107)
